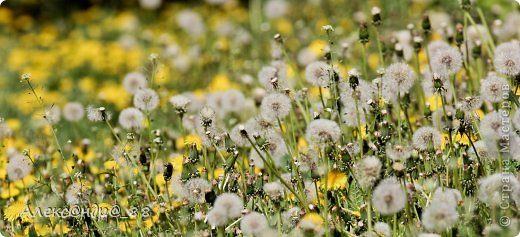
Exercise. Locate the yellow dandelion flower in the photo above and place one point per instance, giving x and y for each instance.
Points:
(189, 139)
(15, 210)
(337, 180)
(314, 217)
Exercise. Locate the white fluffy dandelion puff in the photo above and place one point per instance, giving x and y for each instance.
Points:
(398, 78)
(275, 106)
(73, 111)
(134, 81)
(446, 61)
(425, 137)
(231, 203)
(492, 88)
(319, 73)
(498, 188)
(18, 167)
(180, 103)
(253, 223)
(322, 131)
(131, 118)
(439, 216)
(146, 99)
(367, 171)
(507, 58)
(389, 197)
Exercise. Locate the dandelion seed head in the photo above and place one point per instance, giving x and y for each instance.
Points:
(180, 102)
(494, 125)
(275, 8)
(446, 61)
(449, 196)
(381, 229)
(253, 223)
(439, 216)
(134, 81)
(231, 203)
(131, 118)
(398, 152)
(367, 171)
(275, 106)
(217, 216)
(492, 189)
(274, 190)
(491, 88)
(398, 79)
(196, 189)
(507, 58)
(388, 197)
(53, 115)
(425, 137)
(271, 79)
(318, 73)
(322, 131)
(18, 167)
(146, 99)
(73, 111)
(435, 46)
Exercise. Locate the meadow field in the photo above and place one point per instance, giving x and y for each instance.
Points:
(375, 118)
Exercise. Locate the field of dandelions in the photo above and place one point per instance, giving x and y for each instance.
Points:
(260, 118)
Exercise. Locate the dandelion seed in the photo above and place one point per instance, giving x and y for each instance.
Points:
(131, 118)
(507, 58)
(275, 106)
(439, 216)
(446, 61)
(492, 88)
(319, 73)
(134, 81)
(253, 223)
(18, 167)
(231, 203)
(73, 111)
(426, 137)
(321, 132)
(388, 197)
(146, 99)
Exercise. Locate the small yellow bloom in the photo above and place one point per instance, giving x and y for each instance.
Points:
(337, 180)
(314, 217)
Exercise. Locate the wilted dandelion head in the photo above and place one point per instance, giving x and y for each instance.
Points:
(399, 77)
(275, 106)
(253, 223)
(319, 73)
(446, 61)
(388, 197)
(493, 87)
(322, 131)
(498, 188)
(18, 166)
(196, 189)
(131, 118)
(439, 216)
(134, 81)
(231, 203)
(426, 137)
(73, 111)
(469, 103)
(507, 58)
(146, 99)
(368, 171)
